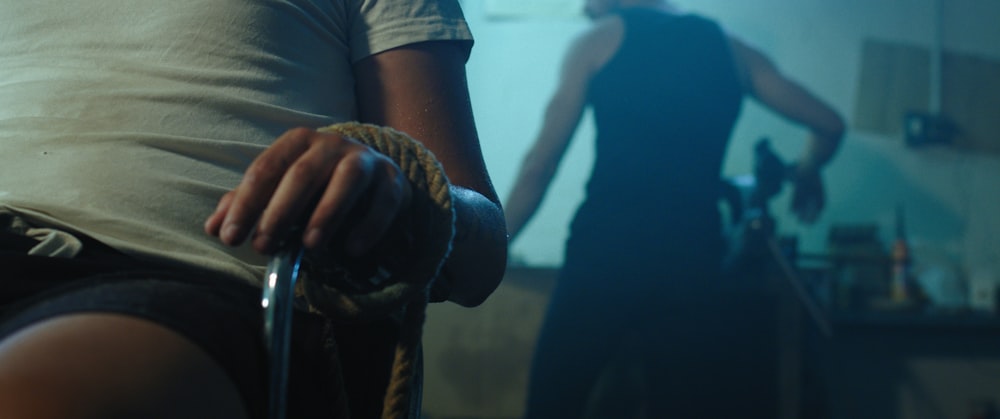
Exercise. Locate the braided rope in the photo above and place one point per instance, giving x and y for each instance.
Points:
(429, 225)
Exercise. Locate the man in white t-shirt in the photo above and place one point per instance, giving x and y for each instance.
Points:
(179, 137)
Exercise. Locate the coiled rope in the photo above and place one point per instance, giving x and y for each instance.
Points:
(399, 282)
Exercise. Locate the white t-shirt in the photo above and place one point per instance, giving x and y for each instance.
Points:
(126, 120)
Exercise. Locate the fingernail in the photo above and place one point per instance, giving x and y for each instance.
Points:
(230, 232)
(264, 243)
(313, 238)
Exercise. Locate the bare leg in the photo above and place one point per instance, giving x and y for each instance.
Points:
(110, 366)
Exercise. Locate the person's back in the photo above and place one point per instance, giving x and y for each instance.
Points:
(664, 103)
(664, 106)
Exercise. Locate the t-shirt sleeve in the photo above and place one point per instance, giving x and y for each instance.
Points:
(380, 25)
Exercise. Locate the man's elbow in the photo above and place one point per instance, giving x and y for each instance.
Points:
(833, 130)
(474, 285)
(474, 295)
(838, 129)
(471, 299)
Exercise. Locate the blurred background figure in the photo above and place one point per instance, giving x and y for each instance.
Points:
(643, 255)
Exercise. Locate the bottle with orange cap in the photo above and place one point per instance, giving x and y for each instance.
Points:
(901, 288)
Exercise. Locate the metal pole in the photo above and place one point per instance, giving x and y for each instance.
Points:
(277, 300)
(937, 11)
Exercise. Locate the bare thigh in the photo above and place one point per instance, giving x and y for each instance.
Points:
(110, 366)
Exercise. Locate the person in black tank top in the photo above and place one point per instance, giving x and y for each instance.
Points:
(645, 247)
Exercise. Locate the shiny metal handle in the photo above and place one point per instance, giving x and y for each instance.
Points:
(277, 300)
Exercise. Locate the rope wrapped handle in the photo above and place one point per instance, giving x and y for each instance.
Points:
(428, 225)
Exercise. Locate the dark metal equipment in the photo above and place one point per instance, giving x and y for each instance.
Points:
(752, 241)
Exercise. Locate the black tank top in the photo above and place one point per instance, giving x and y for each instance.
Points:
(664, 105)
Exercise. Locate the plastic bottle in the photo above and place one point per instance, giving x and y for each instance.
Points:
(901, 286)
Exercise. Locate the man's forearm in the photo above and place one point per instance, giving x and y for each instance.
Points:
(521, 206)
(820, 149)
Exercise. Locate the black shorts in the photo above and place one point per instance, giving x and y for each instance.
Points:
(221, 316)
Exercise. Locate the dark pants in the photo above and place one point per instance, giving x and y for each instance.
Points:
(222, 316)
(705, 344)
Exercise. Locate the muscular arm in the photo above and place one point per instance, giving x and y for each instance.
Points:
(764, 82)
(421, 89)
(562, 115)
(326, 178)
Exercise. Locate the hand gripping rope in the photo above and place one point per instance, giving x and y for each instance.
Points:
(397, 284)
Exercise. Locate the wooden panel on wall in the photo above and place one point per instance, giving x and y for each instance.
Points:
(894, 79)
(970, 96)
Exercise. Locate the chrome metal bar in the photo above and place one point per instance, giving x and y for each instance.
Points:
(277, 301)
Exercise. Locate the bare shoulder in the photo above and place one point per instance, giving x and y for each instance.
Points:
(748, 60)
(610, 26)
(595, 46)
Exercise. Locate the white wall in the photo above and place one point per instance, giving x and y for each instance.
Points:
(951, 197)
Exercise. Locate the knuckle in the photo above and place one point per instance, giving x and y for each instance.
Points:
(260, 172)
(226, 198)
(358, 163)
(303, 169)
(329, 139)
(300, 132)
